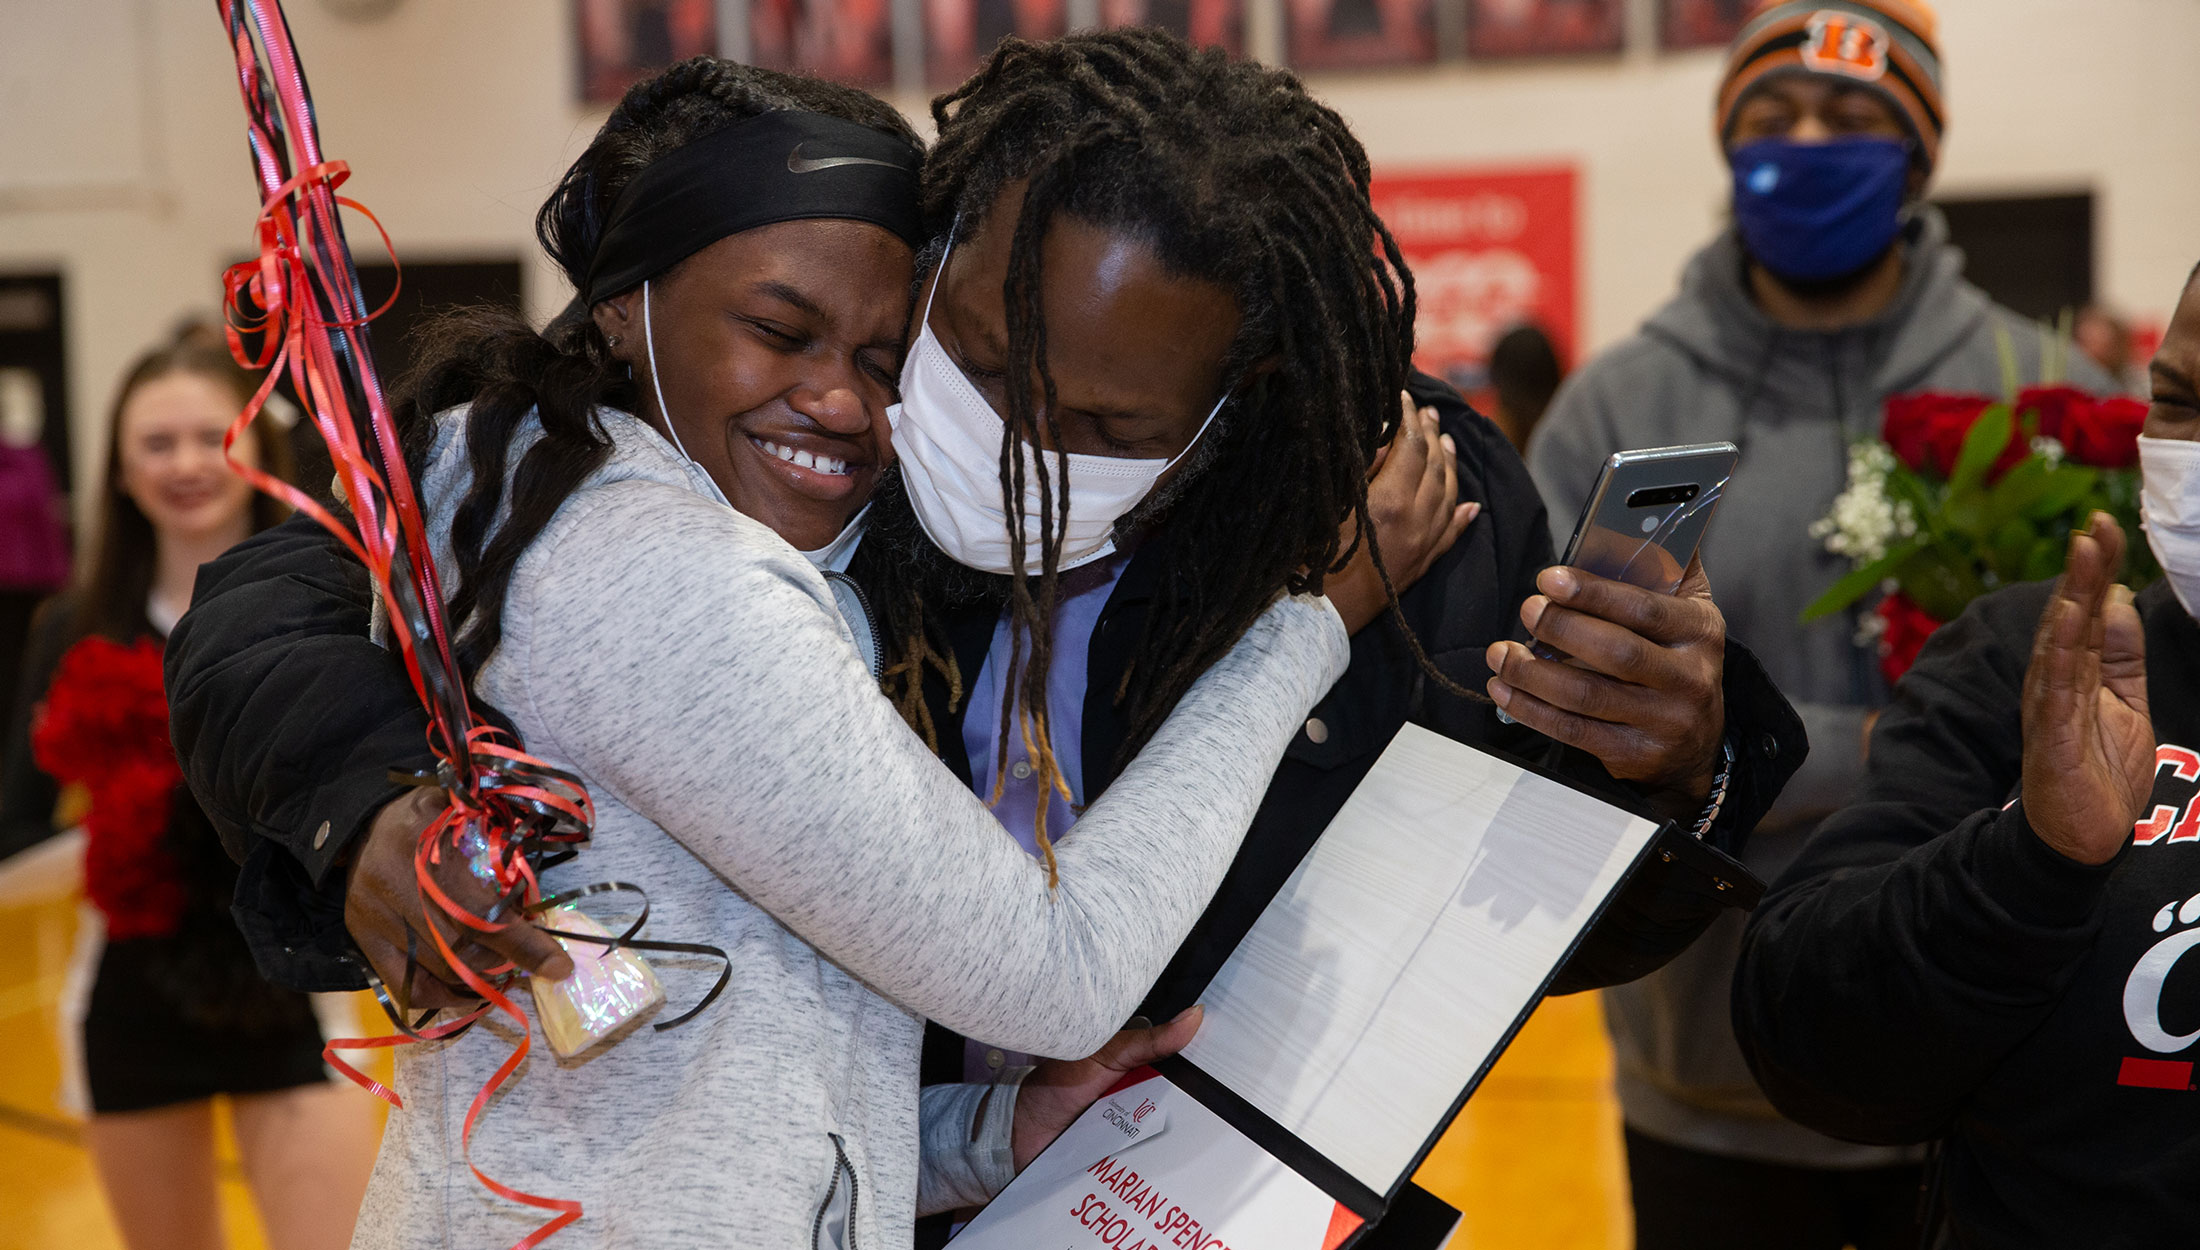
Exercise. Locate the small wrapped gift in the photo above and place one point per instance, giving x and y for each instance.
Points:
(611, 987)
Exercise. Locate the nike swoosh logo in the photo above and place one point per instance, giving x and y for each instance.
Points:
(800, 164)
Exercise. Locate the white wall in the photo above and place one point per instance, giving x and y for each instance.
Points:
(2042, 95)
(457, 117)
(123, 165)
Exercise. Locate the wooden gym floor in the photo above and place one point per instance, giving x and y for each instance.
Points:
(1535, 1161)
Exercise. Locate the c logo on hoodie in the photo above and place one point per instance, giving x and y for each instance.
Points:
(2163, 822)
(1845, 44)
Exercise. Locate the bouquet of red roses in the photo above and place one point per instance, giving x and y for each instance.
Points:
(1962, 494)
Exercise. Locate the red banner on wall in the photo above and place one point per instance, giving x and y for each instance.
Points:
(1490, 250)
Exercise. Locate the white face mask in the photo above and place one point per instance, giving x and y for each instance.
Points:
(672, 428)
(949, 441)
(834, 556)
(2169, 504)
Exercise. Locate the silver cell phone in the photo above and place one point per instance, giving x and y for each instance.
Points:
(1647, 515)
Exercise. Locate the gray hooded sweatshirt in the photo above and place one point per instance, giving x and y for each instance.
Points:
(1710, 366)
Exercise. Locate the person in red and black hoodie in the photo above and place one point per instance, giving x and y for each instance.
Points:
(1994, 948)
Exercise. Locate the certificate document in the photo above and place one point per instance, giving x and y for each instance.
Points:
(1148, 1167)
(1353, 1021)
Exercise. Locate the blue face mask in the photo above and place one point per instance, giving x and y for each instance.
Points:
(1814, 212)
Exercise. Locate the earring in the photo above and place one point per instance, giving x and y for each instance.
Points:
(612, 341)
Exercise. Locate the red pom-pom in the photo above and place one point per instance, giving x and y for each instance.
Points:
(104, 723)
(106, 698)
(128, 870)
(1907, 628)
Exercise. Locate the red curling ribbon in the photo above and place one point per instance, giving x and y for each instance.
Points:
(301, 295)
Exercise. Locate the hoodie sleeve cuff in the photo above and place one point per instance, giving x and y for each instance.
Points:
(965, 1152)
(2038, 886)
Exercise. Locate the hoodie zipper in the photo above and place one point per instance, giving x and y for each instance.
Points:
(855, 609)
(841, 1167)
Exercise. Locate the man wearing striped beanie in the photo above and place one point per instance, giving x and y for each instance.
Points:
(1833, 288)
(1831, 117)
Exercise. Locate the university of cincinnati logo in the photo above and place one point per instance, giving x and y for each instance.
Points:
(1145, 1108)
(2163, 821)
(2180, 925)
(1843, 43)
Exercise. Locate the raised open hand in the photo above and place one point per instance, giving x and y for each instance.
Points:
(2088, 736)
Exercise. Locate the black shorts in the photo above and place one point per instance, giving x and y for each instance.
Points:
(143, 1048)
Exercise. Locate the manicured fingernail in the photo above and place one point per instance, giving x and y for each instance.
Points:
(1470, 511)
(1185, 1014)
(1138, 1022)
(2120, 595)
(1449, 445)
(1494, 656)
(1500, 693)
(1559, 584)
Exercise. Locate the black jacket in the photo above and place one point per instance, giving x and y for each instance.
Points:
(1930, 969)
(288, 718)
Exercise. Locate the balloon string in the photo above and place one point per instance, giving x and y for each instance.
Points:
(301, 295)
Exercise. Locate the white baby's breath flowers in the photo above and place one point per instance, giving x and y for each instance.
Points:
(1865, 521)
(1870, 628)
(2050, 450)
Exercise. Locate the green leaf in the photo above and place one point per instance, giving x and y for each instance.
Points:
(1942, 582)
(1981, 448)
(2012, 379)
(2012, 550)
(2046, 561)
(1861, 581)
(2067, 487)
(1965, 512)
(2014, 495)
(1904, 486)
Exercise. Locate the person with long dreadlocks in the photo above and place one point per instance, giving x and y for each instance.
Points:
(1162, 267)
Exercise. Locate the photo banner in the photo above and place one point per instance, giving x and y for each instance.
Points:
(1702, 23)
(1498, 29)
(849, 41)
(622, 42)
(1491, 249)
(960, 34)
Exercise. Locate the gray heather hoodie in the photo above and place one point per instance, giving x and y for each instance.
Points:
(1711, 366)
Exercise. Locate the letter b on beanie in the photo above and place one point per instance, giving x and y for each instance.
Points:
(1887, 46)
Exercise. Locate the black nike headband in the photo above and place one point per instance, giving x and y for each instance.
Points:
(774, 167)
